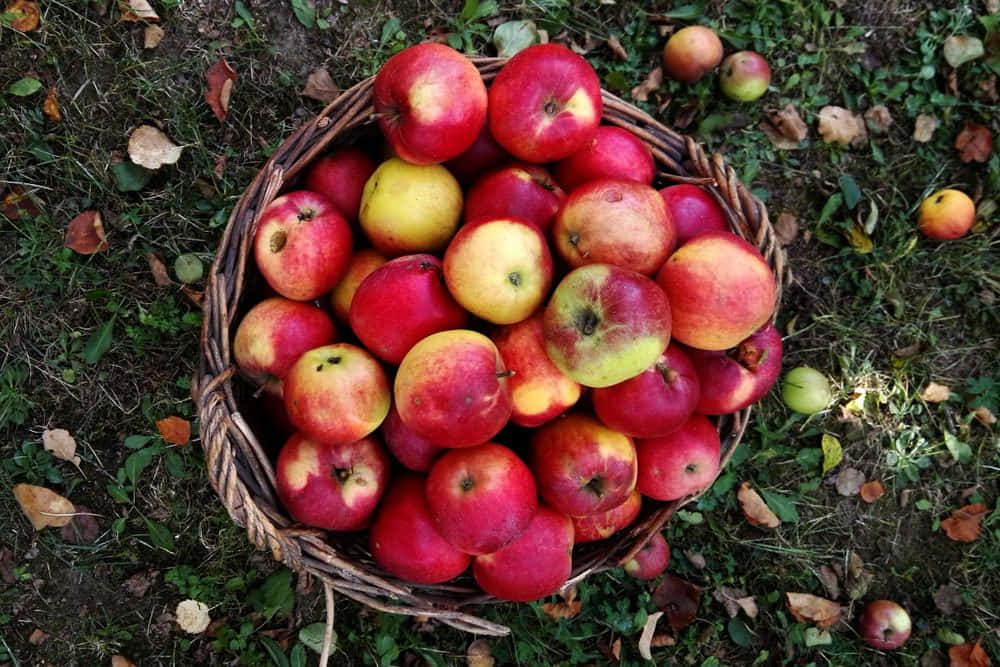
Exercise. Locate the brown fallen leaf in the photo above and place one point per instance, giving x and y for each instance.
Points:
(612, 651)
(872, 491)
(947, 598)
(829, 580)
(61, 444)
(923, 129)
(50, 107)
(149, 147)
(42, 506)
(696, 559)
(140, 582)
(686, 113)
(789, 123)
(152, 36)
(646, 638)
(137, 10)
(220, 79)
(988, 88)
(960, 49)
(562, 609)
(679, 599)
(18, 204)
(849, 481)
(965, 523)
(755, 509)
(37, 636)
(479, 654)
(879, 119)
(840, 125)
(813, 609)
(83, 528)
(23, 15)
(650, 84)
(777, 139)
(85, 234)
(121, 661)
(617, 48)
(984, 416)
(968, 655)
(7, 566)
(858, 579)
(974, 143)
(159, 269)
(786, 228)
(320, 86)
(935, 393)
(174, 430)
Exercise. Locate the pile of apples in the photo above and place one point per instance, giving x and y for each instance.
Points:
(532, 337)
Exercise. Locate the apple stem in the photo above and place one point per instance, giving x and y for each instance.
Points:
(505, 374)
(668, 374)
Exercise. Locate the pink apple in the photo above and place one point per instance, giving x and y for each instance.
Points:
(362, 263)
(519, 190)
(411, 450)
(652, 560)
(738, 377)
(484, 155)
(613, 152)
(694, 211)
(340, 176)
(744, 76)
(604, 525)
(681, 463)
(884, 625)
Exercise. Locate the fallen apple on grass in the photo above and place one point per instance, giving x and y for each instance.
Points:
(744, 76)
(691, 52)
(884, 625)
(805, 390)
(946, 215)
(651, 560)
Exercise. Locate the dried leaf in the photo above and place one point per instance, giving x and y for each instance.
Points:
(789, 123)
(935, 393)
(679, 599)
(149, 147)
(17, 204)
(813, 609)
(786, 228)
(947, 598)
(878, 117)
(7, 565)
(965, 523)
(23, 15)
(829, 580)
(152, 36)
(974, 143)
(696, 559)
(907, 351)
(755, 509)
(849, 481)
(174, 430)
(479, 654)
(83, 528)
(749, 606)
(562, 609)
(61, 444)
(137, 10)
(85, 234)
(617, 48)
(923, 129)
(840, 125)
(646, 638)
(158, 269)
(872, 491)
(859, 239)
(968, 655)
(37, 636)
(50, 107)
(662, 639)
(320, 86)
(121, 661)
(192, 616)
(778, 140)
(728, 597)
(858, 579)
(686, 114)
(959, 49)
(650, 84)
(140, 582)
(984, 416)
(988, 87)
(220, 79)
(43, 507)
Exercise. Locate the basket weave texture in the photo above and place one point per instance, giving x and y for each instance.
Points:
(240, 461)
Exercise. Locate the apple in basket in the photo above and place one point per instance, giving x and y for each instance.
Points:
(340, 176)
(604, 525)
(694, 211)
(518, 190)
(362, 263)
(411, 450)
(683, 462)
(741, 376)
(613, 152)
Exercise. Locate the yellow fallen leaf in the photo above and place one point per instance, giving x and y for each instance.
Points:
(42, 506)
(50, 107)
(935, 393)
(833, 454)
(61, 444)
(152, 36)
(813, 609)
(755, 509)
(149, 147)
(646, 638)
(840, 125)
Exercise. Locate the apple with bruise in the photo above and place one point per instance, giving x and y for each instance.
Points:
(613, 152)
(693, 211)
(411, 450)
(651, 560)
(739, 377)
(946, 215)
(681, 463)
(362, 263)
(518, 190)
(340, 176)
(691, 52)
(744, 76)
(604, 525)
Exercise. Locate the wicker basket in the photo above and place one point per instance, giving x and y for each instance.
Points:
(239, 459)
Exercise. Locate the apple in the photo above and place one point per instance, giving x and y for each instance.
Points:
(518, 190)
(402, 302)
(481, 498)
(651, 560)
(601, 526)
(745, 76)
(534, 565)
(884, 625)
(739, 377)
(806, 390)
(539, 391)
(605, 324)
(581, 466)
(691, 52)
(362, 263)
(302, 245)
(274, 334)
(610, 221)
(499, 269)
(340, 176)
(336, 393)
(484, 155)
(408, 208)
(655, 402)
(613, 152)
(430, 102)
(451, 388)
(545, 103)
(411, 450)
(946, 215)
(404, 541)
(694, 211)
(331, 486)
(720, 289)
(681, 463)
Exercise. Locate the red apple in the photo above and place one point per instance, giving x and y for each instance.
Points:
(413, 451)
(340, 176)
(402, 302)
(430, 102)
(745, 76)
(481, 498)
(601, 526)
(946, 215)
(451, 388)
(680, 463)
(545, 103)
(534, 565)
(519, 190)
(302, 245)
(484, 155)
(691, 52)
(612, 153)
(652, 560)
(655, 402)
(404, 541)
(720, 289)
(884, 625)
(616, 222)
(336, 393)
(740, 376)
(334, 487)
(694, 211)
(605, 324)
(362, 263)
(581, 466)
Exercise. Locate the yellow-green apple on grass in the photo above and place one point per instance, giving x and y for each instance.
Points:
(340, 176)
(519, 190)
(605, 324)
(604, 525)
(451, 388)
(885, 625)
(402, 302)
(334, 487)
(691, 52)
(737, 378)
(408, 208)
(484, 155)
(481, 498)
(806, 390)
(499, 269)
(611, 221)
(404, 541)
(680, 463)
(540, 392)
(336, 393)
(946, 215)
(533, 566)
(655, 402)
(545, 103)
(430, 102)
(612, 153)
(581, 466)
(694, 211)
(302, 245)
(362, 263)
(413, 451)
(720, 289)
(651, 560)
(745, 76)
(274, 334)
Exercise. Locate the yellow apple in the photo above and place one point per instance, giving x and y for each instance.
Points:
(946, 215)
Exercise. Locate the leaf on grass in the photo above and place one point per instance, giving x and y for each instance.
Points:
(7, 566)
(192, 616)
(829, 580)
(37, 636)
(813, 609)
(138, 10)
(968, 655)
(305, 12)
(18, 204)
(679, 599)
(849, 481)
(840, 125)
(130, 177)
(974, 143)
(965, 523)
(960, 451)
(816, 637)
(85, 233)
(158, 269)
(646, 638)
(514, 36)
(923, 129)
(50, 107)
(872, 491)
(786, 228)
(152, 36)
(121, 661)
(785, 128)
(568, 607)
(99, 342)
(858, 579)
(935, 393)
(984, 416)
(755, 509)
(61, 444)
(23, 87)
(879, 119)
(479, 654)
(616, 48)
(83, 528)
(833, 453)
(220, 79)
(320, 86)
(652, 83)
(959, 49)
(947, 598)
(42, 506)
(22, 15)
(174, 430)
(149, 147)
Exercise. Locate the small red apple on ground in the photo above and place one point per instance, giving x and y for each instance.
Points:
(745, 76)
(652, 560)
(411, 450)
(340, 177)
(363, 262)
(519, 190)
(681, 463)
(601, 526)
(691, 52)
(884, 625)
(694, 211)
(738, 377)
(946, 215)
(613, 152)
